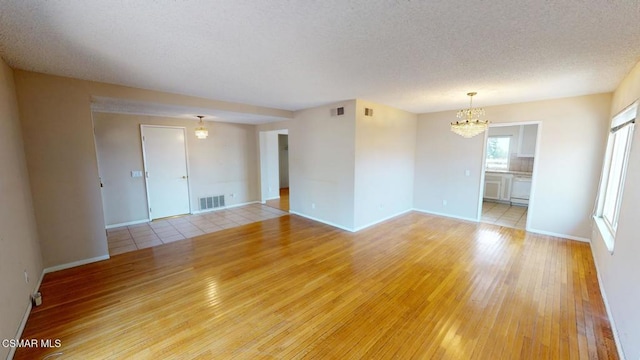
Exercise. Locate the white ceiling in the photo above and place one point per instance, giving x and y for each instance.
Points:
(420, 56)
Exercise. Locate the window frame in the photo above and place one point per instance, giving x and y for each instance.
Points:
(623, 120)
(508, 137)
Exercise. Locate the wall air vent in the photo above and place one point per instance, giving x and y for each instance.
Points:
(368, 112)
(211, 202)
(337, 111)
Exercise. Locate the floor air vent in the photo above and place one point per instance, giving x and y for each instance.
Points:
(211, 202)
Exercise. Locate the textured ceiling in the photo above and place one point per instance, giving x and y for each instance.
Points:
(420, 56)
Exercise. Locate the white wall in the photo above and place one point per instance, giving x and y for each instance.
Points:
(269, 165)
(222, 164)
(384, 162)
(567, 168)
(620, 271)
(442, 158)
(19, 246)
(321, 164)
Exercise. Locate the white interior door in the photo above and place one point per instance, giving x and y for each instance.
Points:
(165, 163)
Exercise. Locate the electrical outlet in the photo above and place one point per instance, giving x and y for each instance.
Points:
(444, 202)
(233, 195)
(26, 276)
(313, 205)
(381, 206)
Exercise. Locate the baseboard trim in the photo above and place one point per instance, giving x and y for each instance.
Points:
(381, 220)
(564, 236)
(75, 263)
(614, 329)
(445, 215)
(273, 198)
(23, 323)
(321, 221)
(25, 317)
(224, 208)
(136, 222)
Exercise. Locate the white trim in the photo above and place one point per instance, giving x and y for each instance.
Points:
(446, 215)
(74, 264)
(224, 208)
(558, 235)
(321, 221)
(113, 226)
(25, 317)
(381, 220)
(614, 329)
(605, 233)
(23, 323)
(273, 198)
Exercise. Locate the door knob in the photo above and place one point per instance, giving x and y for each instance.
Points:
(184, 177)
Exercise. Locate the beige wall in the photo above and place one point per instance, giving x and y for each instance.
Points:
(384, 162)
(321, 164)
(567, 168)
(61, 158)
(222, 164)
(19, 247)
(620, 271)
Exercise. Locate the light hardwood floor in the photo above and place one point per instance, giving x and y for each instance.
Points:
(414, 287)
(281, 203)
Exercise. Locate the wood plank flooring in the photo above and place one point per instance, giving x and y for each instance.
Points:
(281, 203)
(414, 287)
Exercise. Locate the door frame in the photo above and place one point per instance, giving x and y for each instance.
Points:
(144, 164)
(265, 170)
(534, 174)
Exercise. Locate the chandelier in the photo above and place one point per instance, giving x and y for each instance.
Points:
(470, 125)
(201, 130)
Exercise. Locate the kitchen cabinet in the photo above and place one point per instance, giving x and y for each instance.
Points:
(492, 187)
(527, 143)
(497, 186)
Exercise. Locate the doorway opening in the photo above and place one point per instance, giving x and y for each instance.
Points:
(274, 169)
(508, 173)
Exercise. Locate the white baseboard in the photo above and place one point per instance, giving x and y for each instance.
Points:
(112, 226)
(446, 215)
(564, 236)
(224, 208)
(23, 323)
(75, 263)
(25, 317)
(381, 220)
(321, 221)
(272, 198)
(614, 329)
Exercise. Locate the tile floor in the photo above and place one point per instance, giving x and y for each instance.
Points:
(157, 232)
(504, 215)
